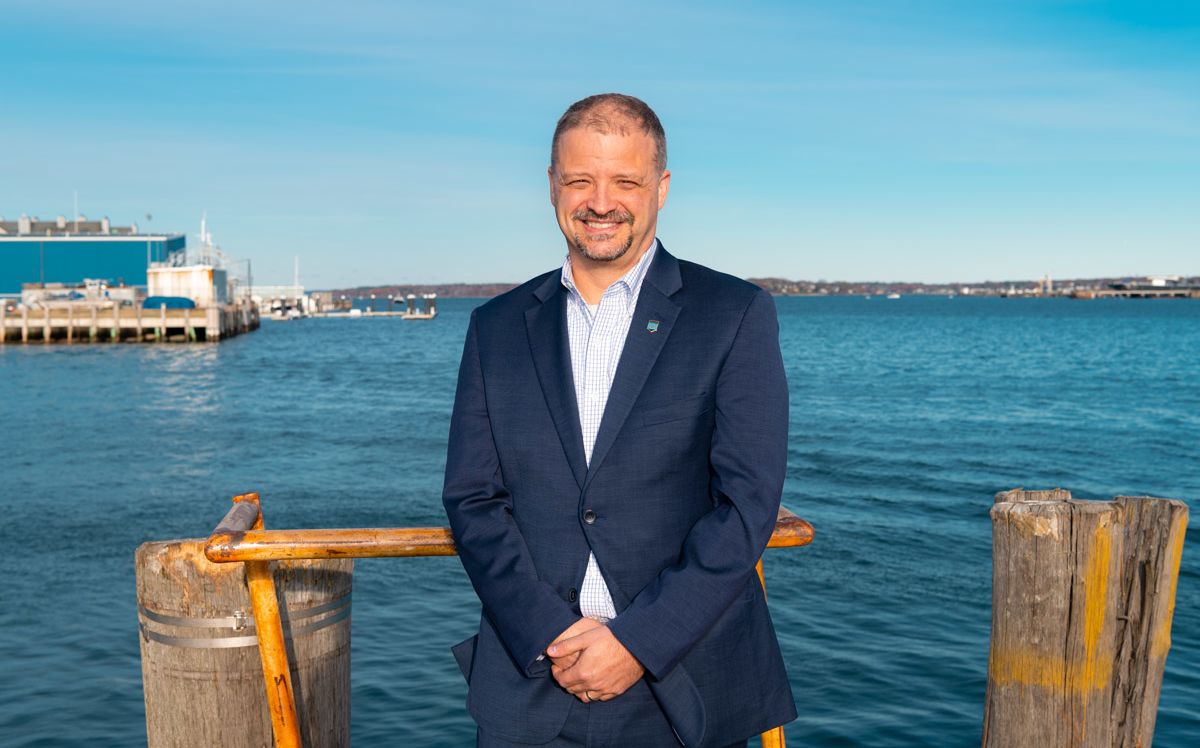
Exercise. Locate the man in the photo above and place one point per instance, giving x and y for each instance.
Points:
(616, 458)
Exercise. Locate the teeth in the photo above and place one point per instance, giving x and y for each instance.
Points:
(601, 225)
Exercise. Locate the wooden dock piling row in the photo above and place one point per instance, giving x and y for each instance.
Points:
(1082, 601)
(112, 323)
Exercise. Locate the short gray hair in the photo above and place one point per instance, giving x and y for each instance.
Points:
(608, 113)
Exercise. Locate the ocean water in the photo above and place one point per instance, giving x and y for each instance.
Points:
(906, 417)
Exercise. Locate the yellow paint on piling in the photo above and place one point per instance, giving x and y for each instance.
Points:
(1025, 666)
(1162, 632)
(1095, 600)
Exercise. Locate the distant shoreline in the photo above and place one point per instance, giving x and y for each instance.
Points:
(785, 287)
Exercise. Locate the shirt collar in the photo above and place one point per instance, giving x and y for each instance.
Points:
(631, 282)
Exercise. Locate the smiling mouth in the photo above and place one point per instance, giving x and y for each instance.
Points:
(594, 223)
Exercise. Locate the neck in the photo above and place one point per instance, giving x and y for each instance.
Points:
(592, 278)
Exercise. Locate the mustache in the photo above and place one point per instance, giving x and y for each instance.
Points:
(615, 215)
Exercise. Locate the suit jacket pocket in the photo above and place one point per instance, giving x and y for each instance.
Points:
(691, 407)
(464, 654)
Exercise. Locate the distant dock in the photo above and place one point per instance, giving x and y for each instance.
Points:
(118, 323)
(1139, 292)
(364, 313)
(414, 309)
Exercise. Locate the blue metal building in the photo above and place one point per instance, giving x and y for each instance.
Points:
(62, 251)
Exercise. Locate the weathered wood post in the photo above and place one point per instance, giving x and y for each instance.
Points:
(201, 671)
(94, 330)
(1082, 599)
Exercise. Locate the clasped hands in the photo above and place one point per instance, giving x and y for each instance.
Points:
(588, 661)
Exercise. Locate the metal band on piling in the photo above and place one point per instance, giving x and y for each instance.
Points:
(239, 621)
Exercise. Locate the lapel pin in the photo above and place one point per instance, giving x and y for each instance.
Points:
(652, 326)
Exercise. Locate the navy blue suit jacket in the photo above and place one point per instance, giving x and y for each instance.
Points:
(683, 489)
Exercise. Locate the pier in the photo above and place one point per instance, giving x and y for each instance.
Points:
(1139, 292)
(108, 322)
(413, 310)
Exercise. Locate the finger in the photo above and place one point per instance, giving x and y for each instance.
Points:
(566, 647)
(572, 681)
(562, 663)
(571, 645)
(580, 626)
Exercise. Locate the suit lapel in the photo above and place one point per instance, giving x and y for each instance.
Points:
(653, 319)
(546, 324)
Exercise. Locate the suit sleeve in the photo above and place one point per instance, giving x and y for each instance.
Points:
(526, 612)
(748, 458)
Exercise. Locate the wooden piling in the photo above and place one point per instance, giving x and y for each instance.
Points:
(1082, 600)
(94, 330)
(115, 335)
(24, 324)
(70, 323)
(212, 330)
(201, 669)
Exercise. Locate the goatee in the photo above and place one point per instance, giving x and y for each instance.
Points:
(583, 249)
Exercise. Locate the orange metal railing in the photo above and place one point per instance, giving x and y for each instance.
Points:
(242, 538)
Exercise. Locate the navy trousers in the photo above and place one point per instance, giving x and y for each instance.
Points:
(632, 720)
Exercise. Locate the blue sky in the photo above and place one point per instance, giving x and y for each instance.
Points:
(390, 142)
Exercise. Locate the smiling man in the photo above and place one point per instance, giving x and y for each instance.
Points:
(616, 457)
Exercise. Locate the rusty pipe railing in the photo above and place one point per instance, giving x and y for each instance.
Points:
(241, 537)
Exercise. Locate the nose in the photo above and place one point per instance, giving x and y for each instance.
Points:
(601, 200)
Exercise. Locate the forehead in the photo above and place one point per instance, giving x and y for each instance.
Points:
(586, 148)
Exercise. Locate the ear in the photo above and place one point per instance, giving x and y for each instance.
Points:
(550, 178)
(664, 186)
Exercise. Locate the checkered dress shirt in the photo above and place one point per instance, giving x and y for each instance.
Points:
(597, 337)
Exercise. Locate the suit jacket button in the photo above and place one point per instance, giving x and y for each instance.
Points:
(589, 516)
(572, 595)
